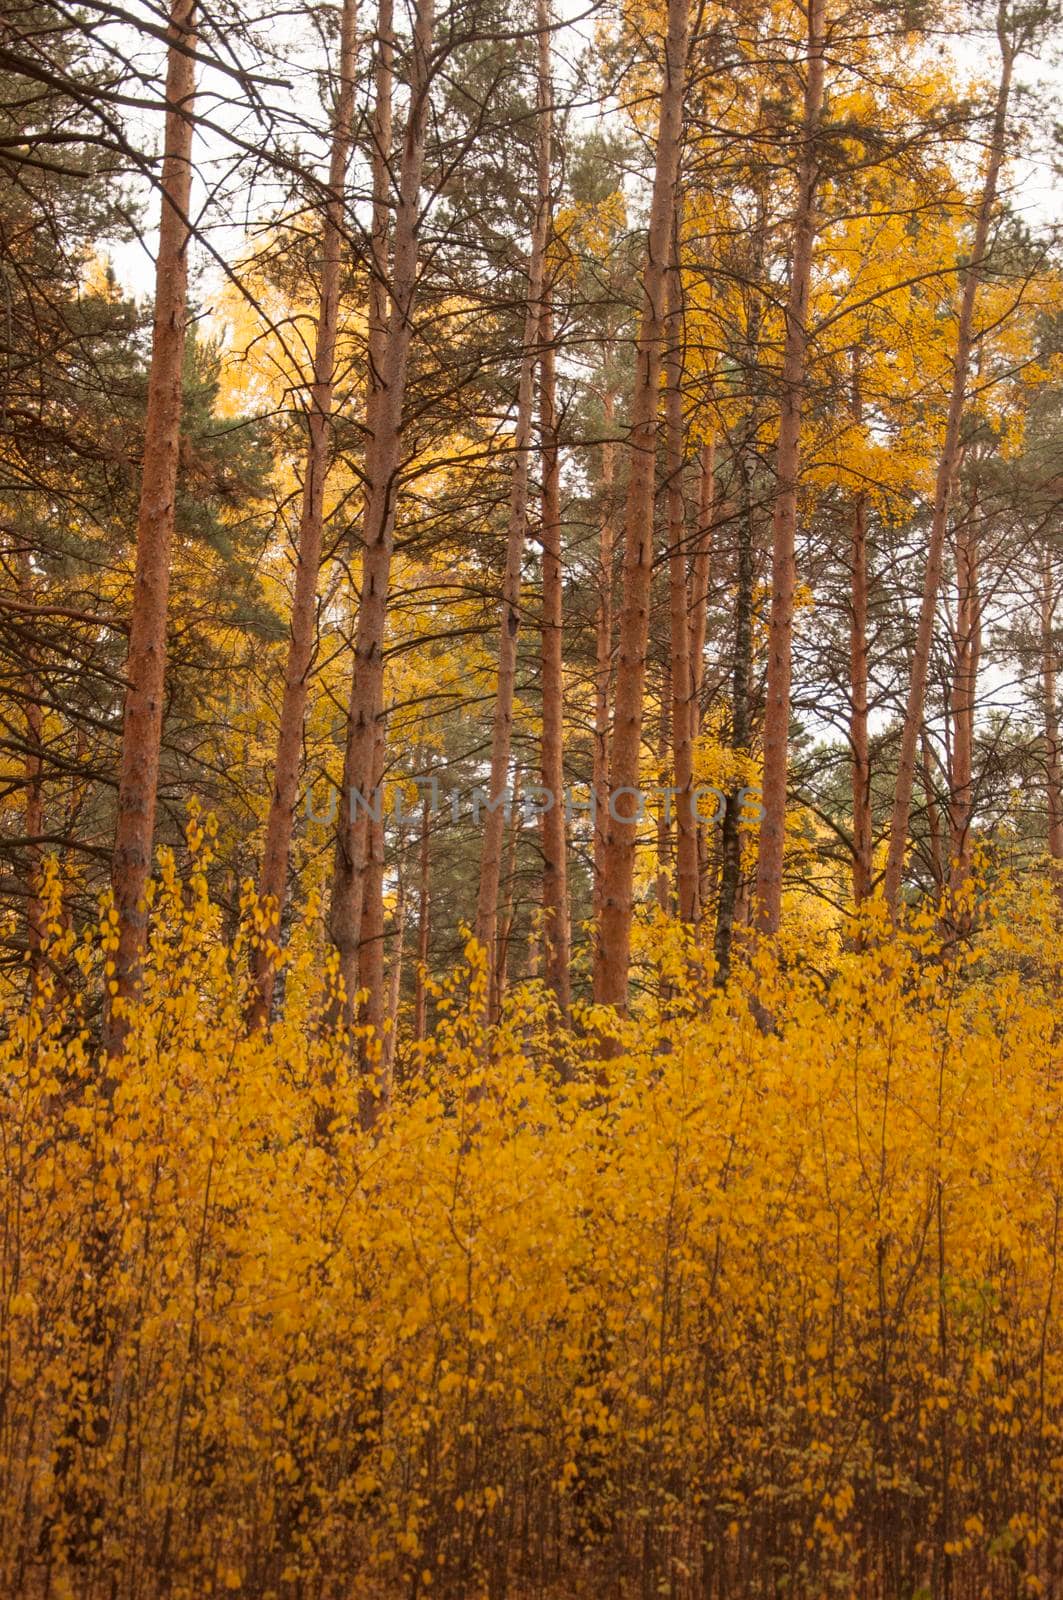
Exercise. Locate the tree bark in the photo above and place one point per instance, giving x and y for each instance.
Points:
(1053, 754)
(682, 677)
(371, 933)
(33, 770)
(603, 660)
(145, 669)
(273, 875)
(964, 699)
(558, 952)
(365, 707)
(948, 466)
(424, 867)
(613, 942)
(784, 522)
(395, 980)
(741, 724)
(858, 730)
(502, 718)
(701, 575)
(858, 662)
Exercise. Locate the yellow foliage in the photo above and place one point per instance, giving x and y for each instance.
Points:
(732, 1290)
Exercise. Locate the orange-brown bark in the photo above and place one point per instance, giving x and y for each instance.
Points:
(287, 764)
(776, 736)
(145, 669)
(948, 467)
(613, 941)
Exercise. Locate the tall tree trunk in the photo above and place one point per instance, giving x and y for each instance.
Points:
(964, 697)
(741, 722)
(603, 658)
(508, 913)
(858, 730)
(365, 707)
(502, 718)
(33, 817)
(948, 466)
(933, 821)
(682, 678)
(700, 584)
(145, 669)
(273, 876)
(371, 933)
(1053, 753)
(664, 813)
(555, 865)
(613, 942)
(701, 575)
(424, 868)
(395, 979)
(858, 660)
(787, 467)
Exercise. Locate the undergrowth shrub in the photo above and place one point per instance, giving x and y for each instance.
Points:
(728, 1310)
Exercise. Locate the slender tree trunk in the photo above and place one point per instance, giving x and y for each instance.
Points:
(700, 584)
(858, 730)
(371, 934)
(964, 699)
(933, 822)
(613, 943)
(145, 669)
(273, 876)
(424, 905)
(682, 676)
(603, 662)
(788, 466)
(948, 467)
(858, 661)
(502, 719)
(509, 892)
(379, 263)
(664, 813)
(33, 818)
(701, 575)
(557, 936)
(395, 979)
(365, 707)
(741, 727)
(1053, 751)
(34, 827)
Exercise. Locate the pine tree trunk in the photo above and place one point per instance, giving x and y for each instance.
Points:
(555, 865)
(502, 718)
(145, 669)
(1053, 752)
(508, 913)
(964, 700)
(603, 659)
(613, 942)
(948, 467)
(858, 730)
(395, 980)
(784, 522)
(933, 822)
(741, 728)
(371, 933)
(682, 678)
(665, 901)
(273, 876)
(701, 575)
(33, 817)
(424, 867)
(700, 584)
(365, 707)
